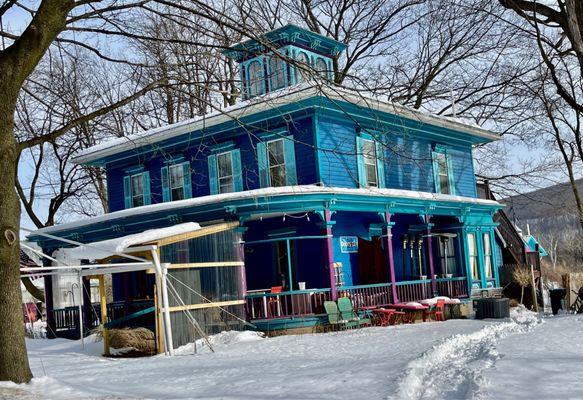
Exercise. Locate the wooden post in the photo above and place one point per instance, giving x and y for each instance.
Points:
(158, 320)
(103, 303)
(533, 290)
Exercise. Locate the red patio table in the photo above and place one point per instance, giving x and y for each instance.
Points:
(411, 309)
(384, 316)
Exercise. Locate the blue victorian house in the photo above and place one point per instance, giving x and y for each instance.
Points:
(334, 192)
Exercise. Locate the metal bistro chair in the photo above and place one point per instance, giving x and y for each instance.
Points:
(274, 304)
(577, 306)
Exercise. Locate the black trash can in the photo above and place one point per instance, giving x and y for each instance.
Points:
(490, 307)
(557, 295)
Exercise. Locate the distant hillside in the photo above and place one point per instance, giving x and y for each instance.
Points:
(548, 210)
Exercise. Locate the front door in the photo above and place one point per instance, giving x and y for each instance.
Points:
(372, 263)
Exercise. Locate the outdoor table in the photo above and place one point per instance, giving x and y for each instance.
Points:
(384, 316)
(411, 309)
(451, 311)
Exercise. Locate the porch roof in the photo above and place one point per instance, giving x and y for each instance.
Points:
(266, 201)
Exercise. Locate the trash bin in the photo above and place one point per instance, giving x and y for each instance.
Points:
(557, 295)
(491, 307)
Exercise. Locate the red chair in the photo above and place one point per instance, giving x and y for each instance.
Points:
(273, 303)
(438, 311)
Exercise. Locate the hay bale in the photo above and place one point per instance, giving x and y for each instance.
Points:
(513, 303)
(139, 339)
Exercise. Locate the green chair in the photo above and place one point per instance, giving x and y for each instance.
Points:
(347, 312)
(334, 317)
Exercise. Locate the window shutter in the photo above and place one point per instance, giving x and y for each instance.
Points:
(291, 175)
(146, 183)
(262, 164)
(187, 182)
(435, 172)
(213, 179)
(380, 150)
(450, 175)
(236, 165)
(165, 184)
(127, 191)
(360, 163)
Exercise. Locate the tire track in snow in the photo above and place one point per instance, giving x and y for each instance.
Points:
(453, 368)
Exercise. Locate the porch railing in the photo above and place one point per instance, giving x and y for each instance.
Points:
(374, 295)
(298, 303)
(414, 290)
(453, 287)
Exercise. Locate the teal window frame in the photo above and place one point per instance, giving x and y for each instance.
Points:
(273, 84)
(186, 181)
(361, 162)
(473, 256)
(236, 168)
(298, 72)
(128, 189)
(435, 155)
(264, 167)
(488, 256)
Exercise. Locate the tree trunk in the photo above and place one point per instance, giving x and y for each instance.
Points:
(13, 357)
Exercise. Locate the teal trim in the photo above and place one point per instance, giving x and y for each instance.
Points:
(262, 164)
(290, 161)
(127, 191)
(281, 239)
(372, 285)
(176, 159)
(307, 291)
(126, 318)
(213, 179)
(146, 183)
(187, 180)
(436, 183)
(481, 266)
(133, 170)
(402, 283)
(289, 266)
(315, 132)
(380, 153)
(360, 162)
(439, 149)
(237, 172)
(222, 147)
(165, 184)
(450, 174)
(276, 324)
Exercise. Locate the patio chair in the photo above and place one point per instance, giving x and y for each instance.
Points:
(438, 311)
(273, 303)
(334, 317)
(347, 312)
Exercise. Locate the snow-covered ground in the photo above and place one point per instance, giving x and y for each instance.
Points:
(525, 357)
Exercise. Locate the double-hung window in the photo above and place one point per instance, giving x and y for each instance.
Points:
(136, 189)
(225, 172)
(303, 63)
(447, 255)
(371, 172)
(277, 162)
(176, 182)
(487, 256)
(321, 67)
(443, 172)
(256, 81)
(473, 256)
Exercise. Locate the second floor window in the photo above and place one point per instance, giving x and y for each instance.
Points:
(277, 162)
(442, 173)
(136, 188)
(225, 173)
(321, 67)
(301, 69)
(176, 173)
(176, 182)
(371, 172)
(276, 159)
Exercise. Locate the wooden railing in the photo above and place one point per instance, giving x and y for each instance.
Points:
(414, 290)
(374, 295)
(452, 287)
(299, 303)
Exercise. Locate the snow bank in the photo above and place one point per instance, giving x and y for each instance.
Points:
(106, 248)
(220, 340)
(433, 300)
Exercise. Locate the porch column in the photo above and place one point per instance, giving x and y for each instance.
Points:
(430, 254)
(390, 258)
(49, 303)
(330, 254)
(241, 256)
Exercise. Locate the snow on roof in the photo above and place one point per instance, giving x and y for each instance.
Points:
(265, 192)
(273, 100)
(107, 248)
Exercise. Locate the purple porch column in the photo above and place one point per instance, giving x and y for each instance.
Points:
(330, 254)
(430, 255)
(390, 257)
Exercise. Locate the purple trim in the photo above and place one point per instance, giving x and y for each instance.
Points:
(430, 256)
(390, 257)
(330, 255)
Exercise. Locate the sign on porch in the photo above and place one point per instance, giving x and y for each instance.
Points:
(348, 244)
